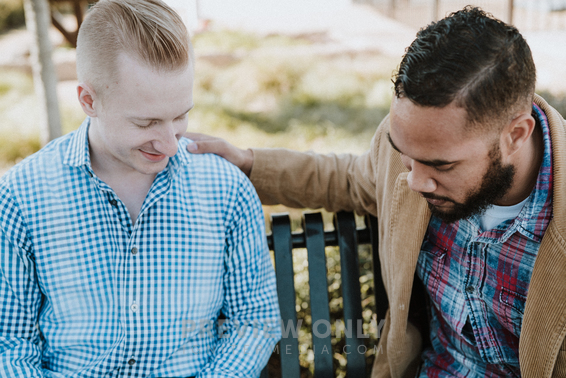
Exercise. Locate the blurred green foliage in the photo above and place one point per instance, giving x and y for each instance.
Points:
(17, 104)
(275, 90)
(15, 147)
(231, 41)
(11, 14)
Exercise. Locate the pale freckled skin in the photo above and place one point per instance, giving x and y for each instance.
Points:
(124, 154)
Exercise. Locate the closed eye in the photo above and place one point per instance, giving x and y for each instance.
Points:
(444, 168)
(146, 125)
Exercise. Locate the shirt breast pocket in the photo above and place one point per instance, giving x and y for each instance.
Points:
(432, 269)
(512, 308)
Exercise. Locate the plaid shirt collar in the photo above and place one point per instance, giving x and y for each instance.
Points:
(478, 282)
(78, 153)
(535, 215)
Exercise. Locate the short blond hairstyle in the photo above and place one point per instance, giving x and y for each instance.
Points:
(146, 30)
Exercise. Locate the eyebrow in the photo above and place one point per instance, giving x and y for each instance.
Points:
(430, 163)
(158, 119)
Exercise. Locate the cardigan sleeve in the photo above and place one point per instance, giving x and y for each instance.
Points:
(305, 179)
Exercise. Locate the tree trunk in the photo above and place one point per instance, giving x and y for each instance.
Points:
(38, 18)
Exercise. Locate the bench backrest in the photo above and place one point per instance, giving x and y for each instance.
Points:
(313, 237)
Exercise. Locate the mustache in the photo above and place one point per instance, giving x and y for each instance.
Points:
(436, 197)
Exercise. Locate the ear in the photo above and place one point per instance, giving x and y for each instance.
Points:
(517, 133)
(87, 98)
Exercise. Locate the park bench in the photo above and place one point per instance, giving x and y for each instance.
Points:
(313, 237)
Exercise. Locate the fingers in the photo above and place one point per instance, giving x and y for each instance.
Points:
(198, 136)
(203, 144)
(212, 145)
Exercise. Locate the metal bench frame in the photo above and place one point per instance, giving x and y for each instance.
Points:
(313, 237)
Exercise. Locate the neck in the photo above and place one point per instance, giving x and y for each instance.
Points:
(129, 185)
(527, 166)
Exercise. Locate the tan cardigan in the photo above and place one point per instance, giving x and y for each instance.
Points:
(376, 183)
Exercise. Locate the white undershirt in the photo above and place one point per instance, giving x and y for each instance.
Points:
(494, 215)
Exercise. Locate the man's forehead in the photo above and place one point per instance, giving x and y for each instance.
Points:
(431, 134)
(451, 116)
(430, 162)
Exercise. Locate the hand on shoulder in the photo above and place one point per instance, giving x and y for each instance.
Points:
(203, 143)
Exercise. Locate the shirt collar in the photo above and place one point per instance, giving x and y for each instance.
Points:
(182, 157)
(78, 154)
(537, 212)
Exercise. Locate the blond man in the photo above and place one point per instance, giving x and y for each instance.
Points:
(120, 251)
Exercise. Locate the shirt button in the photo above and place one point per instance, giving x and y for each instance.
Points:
(134, 307)
(113, 202)
(131, 362)
(470, 289)
(134, 250)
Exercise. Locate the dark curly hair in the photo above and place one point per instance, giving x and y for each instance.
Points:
(472, 58)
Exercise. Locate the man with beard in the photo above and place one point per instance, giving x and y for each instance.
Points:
(467, 179)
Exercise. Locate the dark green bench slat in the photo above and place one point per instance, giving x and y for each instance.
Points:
(320, 310)
(345, 226)
(283, 250)
(381, 301)
(314, 238)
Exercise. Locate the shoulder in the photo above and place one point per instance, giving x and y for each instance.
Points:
(213, 182)
(38, 167)
(26, 186)
(210, 168)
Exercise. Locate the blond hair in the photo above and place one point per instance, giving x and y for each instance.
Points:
(146, 30)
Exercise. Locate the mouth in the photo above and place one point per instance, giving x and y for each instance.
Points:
(435, 201)
(153, 157)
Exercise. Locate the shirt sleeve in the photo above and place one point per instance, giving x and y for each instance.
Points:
(20, 297)
(252, 325)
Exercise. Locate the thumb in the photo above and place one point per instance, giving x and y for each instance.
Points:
(193, 148)
(211, 145)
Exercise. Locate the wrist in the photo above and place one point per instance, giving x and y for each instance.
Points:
(248, 162)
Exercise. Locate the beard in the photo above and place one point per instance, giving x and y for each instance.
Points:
(495, 184)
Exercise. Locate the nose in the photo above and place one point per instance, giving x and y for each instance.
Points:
(418, 179)
(168, 140)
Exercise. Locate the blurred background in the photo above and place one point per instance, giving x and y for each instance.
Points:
(303, 74)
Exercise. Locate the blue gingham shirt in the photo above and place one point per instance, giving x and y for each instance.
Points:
(478, 281)
(86, 293)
